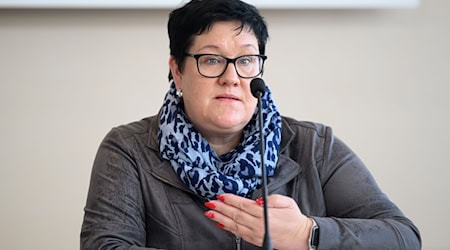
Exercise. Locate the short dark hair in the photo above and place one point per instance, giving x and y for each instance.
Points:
(197, 16)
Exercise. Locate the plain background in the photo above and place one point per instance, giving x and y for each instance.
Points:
(380, 78)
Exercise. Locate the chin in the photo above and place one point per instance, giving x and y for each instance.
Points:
(233, 125)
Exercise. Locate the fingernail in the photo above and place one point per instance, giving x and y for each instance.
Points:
(210, 205)
(209, 214)
(221, 226)
(260, 201)
(220, 198)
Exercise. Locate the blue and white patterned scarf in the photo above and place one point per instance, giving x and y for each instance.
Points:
(197, 164)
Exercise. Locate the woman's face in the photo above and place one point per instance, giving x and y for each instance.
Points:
(223, 105)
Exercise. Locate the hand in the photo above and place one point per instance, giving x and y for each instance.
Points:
(289, 227)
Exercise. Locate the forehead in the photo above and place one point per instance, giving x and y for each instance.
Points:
(225, 34)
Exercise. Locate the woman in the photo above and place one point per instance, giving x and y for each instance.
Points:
(189, 177)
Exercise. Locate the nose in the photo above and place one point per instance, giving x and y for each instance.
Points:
(230, 75)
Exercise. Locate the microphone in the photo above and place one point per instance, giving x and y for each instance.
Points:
(258, 88)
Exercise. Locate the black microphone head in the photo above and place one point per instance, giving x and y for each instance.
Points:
(257, 85)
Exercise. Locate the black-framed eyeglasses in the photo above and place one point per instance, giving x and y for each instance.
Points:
(212, 65)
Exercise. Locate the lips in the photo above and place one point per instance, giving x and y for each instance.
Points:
(229, 97)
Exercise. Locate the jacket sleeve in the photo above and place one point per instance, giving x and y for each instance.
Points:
(114, 211)
(359, 214)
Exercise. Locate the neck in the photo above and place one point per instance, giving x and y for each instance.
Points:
(224, 144)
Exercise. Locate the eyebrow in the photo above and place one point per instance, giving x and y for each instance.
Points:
(209, 47)
(217, 47)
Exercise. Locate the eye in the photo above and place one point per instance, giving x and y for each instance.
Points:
(245, 60)
(211, 59)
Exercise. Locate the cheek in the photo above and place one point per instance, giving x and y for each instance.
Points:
(194, 90)
(195, 97)
(252, 104)
(250, 98)
(252, 101)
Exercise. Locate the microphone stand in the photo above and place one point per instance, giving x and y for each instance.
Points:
(267, 243)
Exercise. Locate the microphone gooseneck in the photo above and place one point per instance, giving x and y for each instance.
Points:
(258, 88)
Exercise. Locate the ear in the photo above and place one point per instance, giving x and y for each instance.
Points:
(176, 73)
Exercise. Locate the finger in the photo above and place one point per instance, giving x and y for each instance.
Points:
(240, 203)
(247, 226)
(226, 223)
(236, 214)
(235, 208)
(277, 201)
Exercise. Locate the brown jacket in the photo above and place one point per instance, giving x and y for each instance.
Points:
(136, 201)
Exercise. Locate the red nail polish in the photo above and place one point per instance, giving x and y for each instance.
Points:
(210, 205)
(220, 198)
(260, 201)
(221, 226)
(209, 214)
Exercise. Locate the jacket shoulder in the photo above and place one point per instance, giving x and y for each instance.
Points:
(295, 126)
(138, 127)
(305, 141)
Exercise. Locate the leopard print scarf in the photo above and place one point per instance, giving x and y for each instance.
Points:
(200, 168)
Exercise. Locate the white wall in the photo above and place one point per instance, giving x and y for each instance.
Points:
(380, 78)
